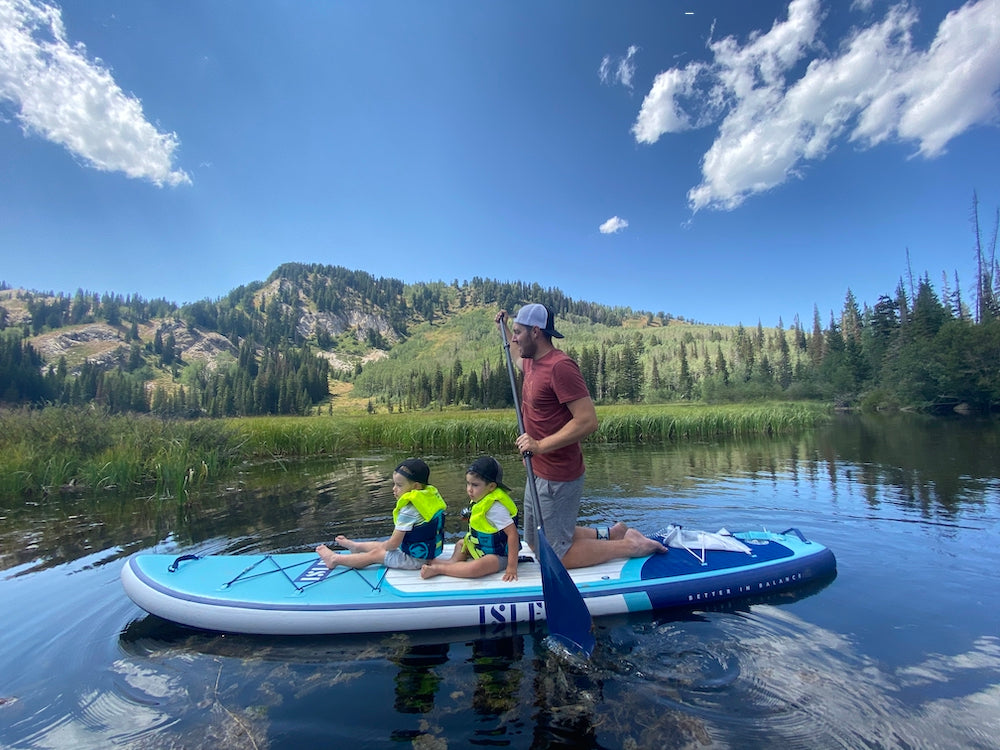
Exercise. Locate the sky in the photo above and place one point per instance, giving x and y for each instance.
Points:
(721, 161)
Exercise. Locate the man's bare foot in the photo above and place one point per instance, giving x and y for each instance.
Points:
(642, 545)
(429, 570)
(328, 556)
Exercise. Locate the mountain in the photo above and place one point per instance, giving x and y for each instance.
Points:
(310, 338)
(350, 320)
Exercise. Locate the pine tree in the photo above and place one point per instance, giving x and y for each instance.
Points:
(784, 368)
(685, 381)
(816, 346)
(850, 319)
(631, 373)
(720, 366)
(655, 382)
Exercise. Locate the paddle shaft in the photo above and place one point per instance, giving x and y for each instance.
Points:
(567, 615)
(520, 426)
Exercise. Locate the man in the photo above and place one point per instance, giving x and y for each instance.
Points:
(558, 413)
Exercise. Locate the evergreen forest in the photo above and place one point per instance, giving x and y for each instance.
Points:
(312, 337)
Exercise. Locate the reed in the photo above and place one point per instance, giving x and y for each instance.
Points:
(672, 424)
(487, 431)
(291, 436)
(61, 449)
(416, 432)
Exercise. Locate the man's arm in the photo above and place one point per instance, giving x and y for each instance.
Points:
(582, 424)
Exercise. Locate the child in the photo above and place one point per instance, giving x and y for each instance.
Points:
(492, 538)
(419, 526)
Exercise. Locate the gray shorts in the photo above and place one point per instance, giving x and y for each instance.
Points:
(560, 502)
(501, 562)
(396, 558)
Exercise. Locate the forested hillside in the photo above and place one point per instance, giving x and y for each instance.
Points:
(312, 336)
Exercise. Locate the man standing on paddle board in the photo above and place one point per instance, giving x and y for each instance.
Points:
(558, 412)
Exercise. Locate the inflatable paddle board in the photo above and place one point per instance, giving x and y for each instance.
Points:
(296, 594)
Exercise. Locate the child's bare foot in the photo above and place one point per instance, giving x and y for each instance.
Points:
(429, 570)
(643, 545)
(328, 556)
(348, 544)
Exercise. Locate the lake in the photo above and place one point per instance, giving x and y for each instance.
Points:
(900, 650)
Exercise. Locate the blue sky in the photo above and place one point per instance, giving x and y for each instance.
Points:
(728, 162)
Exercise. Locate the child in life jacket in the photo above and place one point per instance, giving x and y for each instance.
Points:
(492, 543)
(418, 536)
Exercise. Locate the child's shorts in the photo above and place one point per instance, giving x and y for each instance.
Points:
(396, 558)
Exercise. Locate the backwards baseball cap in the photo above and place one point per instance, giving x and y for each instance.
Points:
(415, 470)
(538, 315)
(489, 469)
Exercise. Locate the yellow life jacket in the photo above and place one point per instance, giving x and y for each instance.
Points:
(483, 538)
(425, 540)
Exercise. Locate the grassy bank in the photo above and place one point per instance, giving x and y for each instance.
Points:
(62, 449)
(485, 431)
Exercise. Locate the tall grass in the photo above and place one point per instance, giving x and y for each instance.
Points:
(417, 432)
(485, 431)
(672, 424)
(63, 449)
(57, 449)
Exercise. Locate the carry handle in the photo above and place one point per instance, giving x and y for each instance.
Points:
(172, 568)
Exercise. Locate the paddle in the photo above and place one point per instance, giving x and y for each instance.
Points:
(568, 617)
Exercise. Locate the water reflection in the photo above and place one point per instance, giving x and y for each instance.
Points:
(802, 686)
(933, 466)
(506, 689)
(751, 678)
(498, 678)
(416, 681)
(901, 650)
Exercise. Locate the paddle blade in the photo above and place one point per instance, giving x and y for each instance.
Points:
(566, 613)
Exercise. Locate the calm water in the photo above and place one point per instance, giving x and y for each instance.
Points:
(901, 650)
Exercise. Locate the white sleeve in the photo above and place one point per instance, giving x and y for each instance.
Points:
(408, 517)
(499, 516)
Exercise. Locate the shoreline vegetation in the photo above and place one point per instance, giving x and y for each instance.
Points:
(58, 450)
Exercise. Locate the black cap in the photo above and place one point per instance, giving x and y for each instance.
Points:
(489, 469)
(415, 470)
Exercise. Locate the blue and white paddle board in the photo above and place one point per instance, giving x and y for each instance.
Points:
(295, 593)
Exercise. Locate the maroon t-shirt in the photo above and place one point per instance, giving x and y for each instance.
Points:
(549, 384)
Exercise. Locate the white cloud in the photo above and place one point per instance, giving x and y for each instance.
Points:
(66, 98)
(662, 110)
(622, 71)
(875, 87)
(945, 91)
(613, 225)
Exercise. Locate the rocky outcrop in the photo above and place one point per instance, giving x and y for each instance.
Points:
(105, 346)
(355, 320)
(196, 345)
(98, 343)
